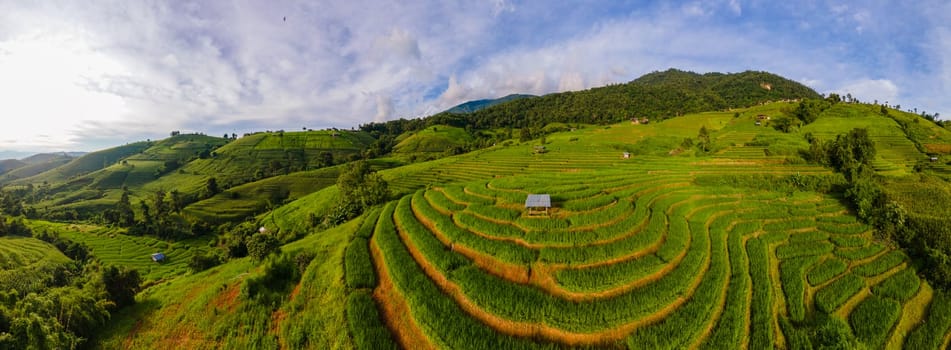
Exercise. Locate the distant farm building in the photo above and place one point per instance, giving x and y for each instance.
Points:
(538, 204)
(626, 155)
(934, 159)
(758, 123)
(540, 149)
(762, 117)
(158, 257)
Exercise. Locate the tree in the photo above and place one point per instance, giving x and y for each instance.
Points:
(360, 188)
(121, 285)
(262, 244)
(211, 187)
(852, 153)
(703, 139)
(525, 134)
(326, 159)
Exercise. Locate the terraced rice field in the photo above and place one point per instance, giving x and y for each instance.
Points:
(111, 247)
(632, 260)
(26, 263)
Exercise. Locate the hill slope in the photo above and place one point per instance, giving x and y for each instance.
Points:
(658, 95)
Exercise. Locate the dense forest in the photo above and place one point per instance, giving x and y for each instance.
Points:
(657, 96)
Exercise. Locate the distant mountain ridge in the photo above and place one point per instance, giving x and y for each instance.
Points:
(35, 164)
(472, 106)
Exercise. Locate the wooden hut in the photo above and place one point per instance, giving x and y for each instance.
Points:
(537, 204)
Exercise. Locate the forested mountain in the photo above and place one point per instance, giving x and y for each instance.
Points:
(658, 96)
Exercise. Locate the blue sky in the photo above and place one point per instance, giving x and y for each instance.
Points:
(89, 75)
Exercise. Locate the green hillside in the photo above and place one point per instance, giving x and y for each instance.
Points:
(27, 264)
(728, 219)
(130, 166)
(745, 245)
(86, 164)
(250, 199)
(33, 169)
(7, 165)
(261, 155)
(434, 139)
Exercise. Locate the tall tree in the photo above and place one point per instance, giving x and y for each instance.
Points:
(703, 139)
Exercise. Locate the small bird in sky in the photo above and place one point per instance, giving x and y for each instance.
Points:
(285, 18)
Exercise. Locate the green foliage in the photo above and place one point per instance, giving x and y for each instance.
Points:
(825, 271)
(262, 244)
(873, 318)
(359, 271)
(832, 333)
(703, 139)
(808, 110)
(931, 332)
(121, 284)
(202, 262)
(792, 273)
(901, 286)
(881, 264)
(833, 295)
(366, 323)
(280, 272)
(852, 153)
(360, 188)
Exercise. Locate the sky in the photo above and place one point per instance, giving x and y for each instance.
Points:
(88, 75)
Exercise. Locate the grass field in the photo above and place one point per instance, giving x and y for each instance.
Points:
(114, 248)
(26, 264)
(743, 247)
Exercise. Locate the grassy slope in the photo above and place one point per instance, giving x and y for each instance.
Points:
(113, 247)
(240, 202)
(129, 166)
(897, 154)
(434, 139)
(33, 169)
(248, 159)
(207, 310)
(86, 164)
(170, 311)
(26, 262)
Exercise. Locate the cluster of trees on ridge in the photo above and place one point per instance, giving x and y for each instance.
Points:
(658, 96)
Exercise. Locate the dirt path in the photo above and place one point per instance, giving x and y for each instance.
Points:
(778, 298)
(745, 344)
(846, 309)
(396, 312)
(913, 313)
(721, 301)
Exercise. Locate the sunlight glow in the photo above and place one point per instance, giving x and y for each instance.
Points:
(49, 86)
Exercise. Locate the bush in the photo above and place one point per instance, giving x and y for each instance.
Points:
(260, 245)
(201, 262)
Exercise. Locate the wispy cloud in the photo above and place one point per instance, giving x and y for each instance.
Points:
(140, 69)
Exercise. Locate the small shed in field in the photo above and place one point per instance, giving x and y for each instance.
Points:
(538, 204)
(158, 257)
(626, 155)
(933, 158)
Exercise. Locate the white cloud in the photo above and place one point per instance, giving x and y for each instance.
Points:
(140, 69)
(869, 90)
(735, 6)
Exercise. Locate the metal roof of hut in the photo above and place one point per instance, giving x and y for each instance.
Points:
(158, 257)
(538, 201)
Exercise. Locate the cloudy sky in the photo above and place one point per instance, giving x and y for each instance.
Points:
(85, 75)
